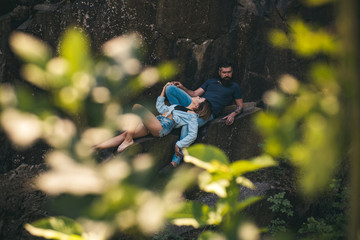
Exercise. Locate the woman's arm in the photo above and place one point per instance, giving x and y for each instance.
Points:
(192, 133)
(161, 107)
(162, 94)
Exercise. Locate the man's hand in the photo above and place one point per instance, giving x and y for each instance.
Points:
(229, 118)
(177, 84)
(197, 92)
(178, 151)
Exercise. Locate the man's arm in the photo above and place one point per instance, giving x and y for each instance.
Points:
(231, 117)
(239, 106)
(195, 93)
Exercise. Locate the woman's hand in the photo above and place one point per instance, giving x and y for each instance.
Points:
(178, 151)
(167, 84)
(162, 94)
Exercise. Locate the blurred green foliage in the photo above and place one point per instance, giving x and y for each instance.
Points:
(302, 123)
(56, 228)
(78, 103)
(222, 178)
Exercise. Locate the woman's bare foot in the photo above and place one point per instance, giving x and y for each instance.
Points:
(126, 143)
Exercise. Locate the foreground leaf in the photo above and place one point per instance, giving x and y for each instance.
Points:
(56, 228)
(207, 157)
(208, 235)
(243, 166)
(30, 49)
(210, 183)
(192, 214)
(247, 202)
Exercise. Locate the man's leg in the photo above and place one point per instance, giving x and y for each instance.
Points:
(202, 122)
(176, 95)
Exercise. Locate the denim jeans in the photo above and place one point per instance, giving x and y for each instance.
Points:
(167, 125)
(178, 96)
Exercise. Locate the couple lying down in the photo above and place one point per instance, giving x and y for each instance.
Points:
(174, 116)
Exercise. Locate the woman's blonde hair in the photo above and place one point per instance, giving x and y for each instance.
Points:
(204, 110)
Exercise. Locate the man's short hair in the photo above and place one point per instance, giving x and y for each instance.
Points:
(225, 64)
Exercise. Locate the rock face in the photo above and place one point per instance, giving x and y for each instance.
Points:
(239, 140)
(20, 203)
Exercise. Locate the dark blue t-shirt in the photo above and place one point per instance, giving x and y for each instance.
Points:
(220, 96)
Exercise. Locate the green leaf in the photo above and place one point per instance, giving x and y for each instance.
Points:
(316, 3)
(74, 47)
(56, 228)
(211, 183)
(309, 41)
(35, 75)
(247, 202)
(245, 182)
(243, 166)
(278, 38)
(30, 49)
(191, 214)
(206, 156)
(208, 235)
(167, 71)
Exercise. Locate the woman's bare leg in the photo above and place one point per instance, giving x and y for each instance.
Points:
(150, 124)
(112, 142)
(140, 131)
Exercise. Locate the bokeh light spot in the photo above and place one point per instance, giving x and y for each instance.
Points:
(101, 94)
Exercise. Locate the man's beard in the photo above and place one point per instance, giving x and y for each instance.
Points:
(227, 81)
